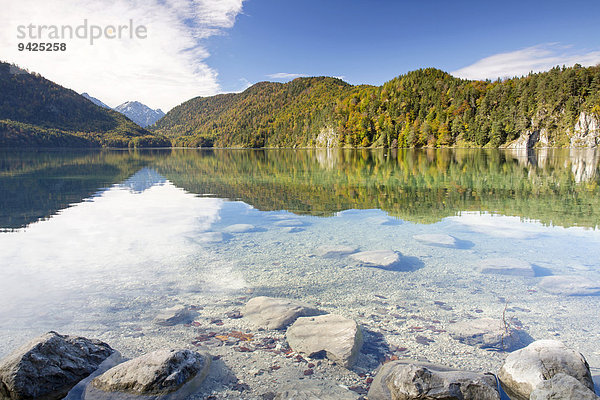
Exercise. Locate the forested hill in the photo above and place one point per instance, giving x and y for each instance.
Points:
(37, 112)
(266, 114)
(427, 107)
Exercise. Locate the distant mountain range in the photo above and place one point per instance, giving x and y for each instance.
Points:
(139, 113)
(37, 112)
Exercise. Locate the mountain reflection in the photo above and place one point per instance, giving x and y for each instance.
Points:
(559, 187)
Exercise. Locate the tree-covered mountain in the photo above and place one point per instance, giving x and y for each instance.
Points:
(37, 112)
(267, 114)
(427, 107)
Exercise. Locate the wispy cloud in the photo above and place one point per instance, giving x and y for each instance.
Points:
(520, 62)
(162, 70)
(285, 75)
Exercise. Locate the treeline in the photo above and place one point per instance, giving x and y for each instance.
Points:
(427, 107)
(37, 112)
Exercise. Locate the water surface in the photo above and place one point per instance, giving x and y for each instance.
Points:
(95, 243)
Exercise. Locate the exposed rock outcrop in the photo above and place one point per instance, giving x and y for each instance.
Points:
(49, 366)
(586, 132)
(408, 380)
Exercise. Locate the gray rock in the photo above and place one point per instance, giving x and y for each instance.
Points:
(209, 237)
(289, 223)
(377, 258)
(507, 266)
(239, 228)
(523, 370)
(489, 333)
(292, 229)
(310, 390)
(562, 387)
(49, 366)
(570, 285)
(406, 380)
(162, 374)
(338, 337)
(175, 315)
(334, 250)
(276, 313)
(436, 239)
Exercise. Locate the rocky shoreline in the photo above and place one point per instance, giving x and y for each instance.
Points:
(291, 350)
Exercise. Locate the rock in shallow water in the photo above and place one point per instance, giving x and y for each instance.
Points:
(570, 285)
(239, 228)
(49, 366)
(335, 250)
(162, 374)
(407, 380)
(276, 313)
(435, 239)
(309, 390)
(523, 370)
(338, 337)
(489, 333)
(377, 258)
(562, 387)
(175, 315)
(507, 266)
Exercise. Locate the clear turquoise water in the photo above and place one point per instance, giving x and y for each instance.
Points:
(94, 243)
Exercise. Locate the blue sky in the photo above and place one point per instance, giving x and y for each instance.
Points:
(374, 41)
(204, 47)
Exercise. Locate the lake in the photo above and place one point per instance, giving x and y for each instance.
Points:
(96, 243)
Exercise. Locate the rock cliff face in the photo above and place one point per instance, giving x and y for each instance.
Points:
(327, 138)
(586, 132)
(529, 139)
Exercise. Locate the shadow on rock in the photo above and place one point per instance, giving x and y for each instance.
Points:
(404, 264)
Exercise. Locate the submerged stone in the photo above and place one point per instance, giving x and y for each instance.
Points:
(339, 338)
(335, 250)
(311, 390)
(49, 366)
(507, 266)
(570, 285)
(489, 333)
(377, 258)
(276, 313)
(435, 239)
(175, 315)
(239, 228)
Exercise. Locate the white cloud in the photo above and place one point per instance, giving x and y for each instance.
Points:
(520, 62)
(162, 70)
(285, 75)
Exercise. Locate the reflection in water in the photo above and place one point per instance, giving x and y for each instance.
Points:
(557, 187)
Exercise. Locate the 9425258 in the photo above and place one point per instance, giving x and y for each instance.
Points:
(44, 46)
